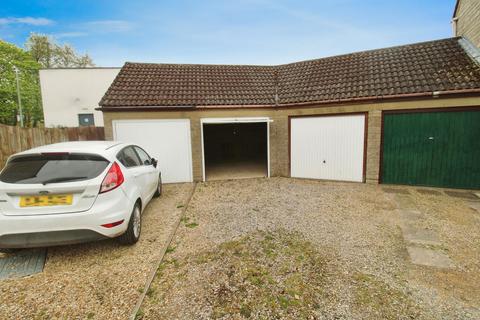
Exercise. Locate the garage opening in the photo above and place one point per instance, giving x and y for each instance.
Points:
(235, 150)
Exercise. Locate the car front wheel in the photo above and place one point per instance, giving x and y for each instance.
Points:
(134, 228)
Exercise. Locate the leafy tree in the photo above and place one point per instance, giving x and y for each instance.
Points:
(50, 54)
(41, 49)
(42, 52)
(11, 56)
(85, 61)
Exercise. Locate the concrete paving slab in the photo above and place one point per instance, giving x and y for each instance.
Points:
(429, 192)
(463, 195)
(405, 202)
(395, 190)
(22, 263)
(475, 205)
(429, 257)
(415, 234)
(411, 215)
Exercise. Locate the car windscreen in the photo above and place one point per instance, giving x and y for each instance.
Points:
(53, 168)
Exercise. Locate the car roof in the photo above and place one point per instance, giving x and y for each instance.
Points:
(76, 146)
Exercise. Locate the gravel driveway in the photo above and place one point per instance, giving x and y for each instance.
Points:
(288, 248)
(100, 280)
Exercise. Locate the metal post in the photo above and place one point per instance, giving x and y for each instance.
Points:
(20, 111)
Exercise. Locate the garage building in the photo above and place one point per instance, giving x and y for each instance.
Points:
(401, 115)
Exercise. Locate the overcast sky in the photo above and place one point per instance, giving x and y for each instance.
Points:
(228, 31)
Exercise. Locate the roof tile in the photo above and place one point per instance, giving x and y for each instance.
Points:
(416, 68)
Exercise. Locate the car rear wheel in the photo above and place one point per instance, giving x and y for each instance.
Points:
(134, 228)
(158, 192)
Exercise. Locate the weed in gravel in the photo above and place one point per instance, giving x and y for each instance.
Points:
(191, 225)
(170, 249)
(42, 315)
(173, 262)
(185, 221)
(160, 269)
(245, 311)
(140, 314)
(151, 291)
(204, 257)
(262, 275)
(180, 206)
(376, 297)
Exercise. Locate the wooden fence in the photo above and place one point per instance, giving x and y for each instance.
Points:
(16, 139)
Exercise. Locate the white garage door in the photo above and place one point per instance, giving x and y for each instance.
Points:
(328, 147)
(165, 140)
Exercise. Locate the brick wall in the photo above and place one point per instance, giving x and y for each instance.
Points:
(468, 20)
(279, 135)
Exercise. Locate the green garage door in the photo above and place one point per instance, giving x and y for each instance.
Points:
(440, 149)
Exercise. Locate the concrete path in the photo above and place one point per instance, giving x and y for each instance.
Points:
(475, 205)
(429, 257)
(423, 244)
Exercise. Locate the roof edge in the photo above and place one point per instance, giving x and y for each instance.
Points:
(273, 66)
(371, 50)
(79, 68)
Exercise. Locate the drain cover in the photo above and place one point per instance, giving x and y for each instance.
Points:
(22, 263)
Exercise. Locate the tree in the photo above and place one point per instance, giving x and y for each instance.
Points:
(85, 61)
(11, 56)
(41, 49)
(50, 54)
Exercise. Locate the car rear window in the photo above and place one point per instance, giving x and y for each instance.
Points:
(53, 168)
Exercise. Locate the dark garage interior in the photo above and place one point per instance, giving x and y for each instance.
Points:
(235, 150)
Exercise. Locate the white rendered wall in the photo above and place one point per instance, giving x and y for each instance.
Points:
(69, 92)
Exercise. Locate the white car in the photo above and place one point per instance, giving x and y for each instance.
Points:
(75, 192)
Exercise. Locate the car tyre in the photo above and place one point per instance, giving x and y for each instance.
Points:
(158, 192)
(134, 228)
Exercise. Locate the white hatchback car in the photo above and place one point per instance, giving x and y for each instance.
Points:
(75, 192)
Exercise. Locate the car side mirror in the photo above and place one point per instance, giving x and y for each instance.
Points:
(154, 162)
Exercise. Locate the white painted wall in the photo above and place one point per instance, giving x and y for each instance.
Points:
(69, 92)
(328, 147)
(167, 140)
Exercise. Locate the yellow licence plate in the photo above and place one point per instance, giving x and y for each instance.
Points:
(47, 200)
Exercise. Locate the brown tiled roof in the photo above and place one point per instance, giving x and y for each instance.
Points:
(441, 65)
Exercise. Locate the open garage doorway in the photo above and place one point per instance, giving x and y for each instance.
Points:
(235, 149)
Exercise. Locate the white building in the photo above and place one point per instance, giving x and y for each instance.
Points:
(70, 96)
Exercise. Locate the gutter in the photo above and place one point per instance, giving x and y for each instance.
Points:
(376, 99)
(146, 108)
